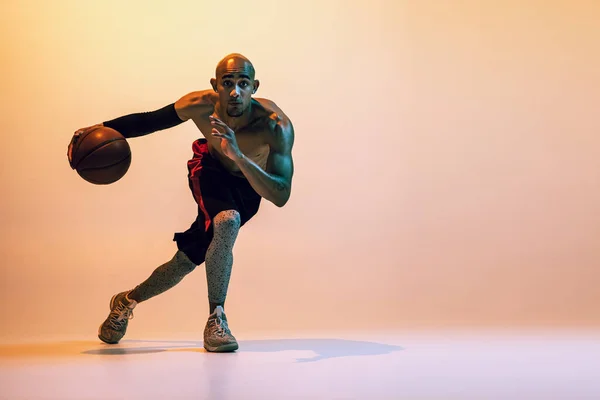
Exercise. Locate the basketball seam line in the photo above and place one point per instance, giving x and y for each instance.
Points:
(109, 165)
(98, 146)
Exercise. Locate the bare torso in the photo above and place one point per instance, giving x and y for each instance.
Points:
(252, 139)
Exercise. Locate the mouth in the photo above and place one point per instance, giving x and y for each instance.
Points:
(235, 103)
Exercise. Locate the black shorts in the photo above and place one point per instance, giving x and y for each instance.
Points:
(215, 189)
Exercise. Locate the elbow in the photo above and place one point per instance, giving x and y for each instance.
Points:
(281, 201)
(281, 194)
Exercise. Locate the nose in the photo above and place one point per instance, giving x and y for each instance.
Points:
(235, 92)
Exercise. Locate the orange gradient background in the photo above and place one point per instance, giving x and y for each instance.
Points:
(447, 164)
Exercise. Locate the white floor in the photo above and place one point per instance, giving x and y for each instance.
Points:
(403, 365)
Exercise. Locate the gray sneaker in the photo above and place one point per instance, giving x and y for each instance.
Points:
(115, 326)
(217, 336)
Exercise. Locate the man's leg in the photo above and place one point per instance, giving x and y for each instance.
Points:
(219, 256)
(163, 278)
(219, 262)
(122, 304)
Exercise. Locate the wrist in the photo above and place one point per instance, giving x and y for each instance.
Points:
(239, 158)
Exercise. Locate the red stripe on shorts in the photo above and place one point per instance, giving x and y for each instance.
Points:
(195, 168)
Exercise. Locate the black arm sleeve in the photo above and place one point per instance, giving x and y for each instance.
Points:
(140, 124)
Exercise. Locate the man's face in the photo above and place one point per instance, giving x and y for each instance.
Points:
(235, 85)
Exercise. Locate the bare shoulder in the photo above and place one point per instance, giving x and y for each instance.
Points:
(273, 110)
(195, 103)
(279, 126)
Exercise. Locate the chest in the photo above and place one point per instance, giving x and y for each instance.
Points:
(251, 141)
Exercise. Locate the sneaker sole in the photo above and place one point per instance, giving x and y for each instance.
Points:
(112, 302)
(226, 348)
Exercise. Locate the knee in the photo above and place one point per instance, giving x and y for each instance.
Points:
(184, 264)
(229, 220)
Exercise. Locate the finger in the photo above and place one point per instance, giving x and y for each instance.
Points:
(219, 123)
(87, 129)
(215, 120)
(218, 134)
(81, 131)
(227, 134)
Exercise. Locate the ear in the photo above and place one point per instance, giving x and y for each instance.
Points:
(213, 83)
(256, 85)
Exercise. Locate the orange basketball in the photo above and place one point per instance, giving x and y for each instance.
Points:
(101, 156)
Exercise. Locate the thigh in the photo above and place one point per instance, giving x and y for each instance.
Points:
(209, 183)
(215, 192)
(246, 199)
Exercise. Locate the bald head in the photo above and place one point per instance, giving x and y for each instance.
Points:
(235, 84)
(234, 63)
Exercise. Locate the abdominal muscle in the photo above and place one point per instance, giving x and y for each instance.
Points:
(256, 152)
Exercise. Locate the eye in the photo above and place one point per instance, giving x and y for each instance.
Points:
(226, 83)
(244, 84)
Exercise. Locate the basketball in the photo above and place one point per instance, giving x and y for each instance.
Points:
(101, 156)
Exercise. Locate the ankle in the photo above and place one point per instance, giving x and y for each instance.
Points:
(213, 306)
(133, 296)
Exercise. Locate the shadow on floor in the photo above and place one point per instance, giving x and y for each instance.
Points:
(323, 348)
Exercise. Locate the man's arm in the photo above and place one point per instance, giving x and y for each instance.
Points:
(141, 124)
(144, 123)
(274, 184)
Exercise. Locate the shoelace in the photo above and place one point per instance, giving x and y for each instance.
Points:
(120, 315)
(221, 325)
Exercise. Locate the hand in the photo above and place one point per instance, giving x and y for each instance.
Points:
(76, 137)
(229, 144)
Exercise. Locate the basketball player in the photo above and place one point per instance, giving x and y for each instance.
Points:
(244, 156)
